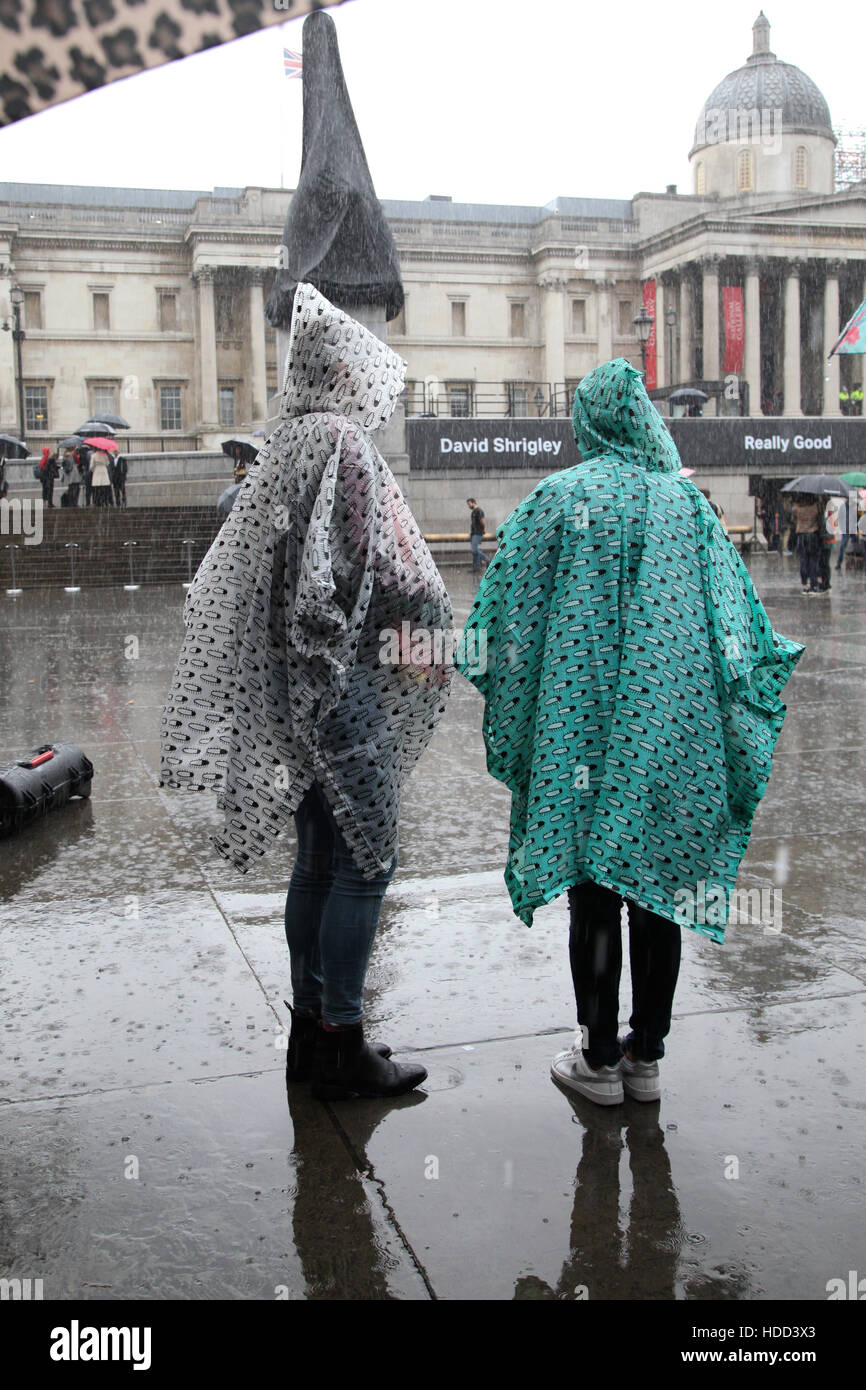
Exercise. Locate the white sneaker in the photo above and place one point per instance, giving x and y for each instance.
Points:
(641, 1079)
(601, 1084)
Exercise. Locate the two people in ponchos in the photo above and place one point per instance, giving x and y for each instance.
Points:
(631, 688)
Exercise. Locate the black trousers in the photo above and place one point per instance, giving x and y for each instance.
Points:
(595, 952)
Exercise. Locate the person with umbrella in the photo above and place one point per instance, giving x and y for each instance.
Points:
(100, 476)
(632, 683)
(808, 532)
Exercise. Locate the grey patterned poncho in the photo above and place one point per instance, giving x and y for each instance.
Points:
(319, 632)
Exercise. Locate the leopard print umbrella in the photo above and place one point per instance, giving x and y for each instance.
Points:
(57, 49)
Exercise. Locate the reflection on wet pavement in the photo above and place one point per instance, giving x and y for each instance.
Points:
(148, 1151)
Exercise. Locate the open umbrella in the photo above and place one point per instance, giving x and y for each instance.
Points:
(819, 485)
(12, 448)
(226, 500)
(98, 443)
(855, 479)
(688, 395)
(115, 422)
(240, 448)
(95, 427)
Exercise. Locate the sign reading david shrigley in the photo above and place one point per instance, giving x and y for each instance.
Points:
(540, 446)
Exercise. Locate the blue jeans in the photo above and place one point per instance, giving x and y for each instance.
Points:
(331, 916)
(477, 553)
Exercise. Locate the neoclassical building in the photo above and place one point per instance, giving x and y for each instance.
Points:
(150, 304)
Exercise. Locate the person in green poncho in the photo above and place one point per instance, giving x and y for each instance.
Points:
(632, 687)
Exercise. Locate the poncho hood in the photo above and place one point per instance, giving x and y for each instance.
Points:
(613, 414)
(335, 365)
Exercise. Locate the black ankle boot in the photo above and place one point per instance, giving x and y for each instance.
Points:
(302, 1045)
(346, 1067)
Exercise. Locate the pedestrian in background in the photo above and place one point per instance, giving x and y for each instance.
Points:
(477, 524)
(807, 529)
(635, 729)
(118, 469)
(100, 478)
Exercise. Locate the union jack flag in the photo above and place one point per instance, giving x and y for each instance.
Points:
(292, 63)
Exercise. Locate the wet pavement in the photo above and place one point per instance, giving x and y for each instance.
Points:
(147, 1147)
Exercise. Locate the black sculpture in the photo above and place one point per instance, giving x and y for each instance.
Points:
(336, 236)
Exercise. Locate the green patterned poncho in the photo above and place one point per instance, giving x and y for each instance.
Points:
(631, 676)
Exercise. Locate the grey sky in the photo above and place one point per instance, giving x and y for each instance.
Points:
(510, 101)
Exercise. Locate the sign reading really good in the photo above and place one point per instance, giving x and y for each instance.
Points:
(828, 445)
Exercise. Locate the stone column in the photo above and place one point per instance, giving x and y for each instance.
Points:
(687, 356)
(553, 318)
(604, 319)
(752, 354)
(791, 405)
(661, 333)
(710, 269)
(258, 376)
(208, 401)
(832, 329)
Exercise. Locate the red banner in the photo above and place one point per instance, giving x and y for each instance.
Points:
(649, 303)
(735, 328)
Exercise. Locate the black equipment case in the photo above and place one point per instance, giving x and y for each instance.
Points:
(41, 782)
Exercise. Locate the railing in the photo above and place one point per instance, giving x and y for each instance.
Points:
(127, 443)
(525, 400)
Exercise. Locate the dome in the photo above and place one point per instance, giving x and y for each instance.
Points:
(764, 85)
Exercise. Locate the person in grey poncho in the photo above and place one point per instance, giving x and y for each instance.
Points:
(316, 665)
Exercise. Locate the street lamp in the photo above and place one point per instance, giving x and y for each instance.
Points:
(671, 322)
(16, 297)
(643, 327)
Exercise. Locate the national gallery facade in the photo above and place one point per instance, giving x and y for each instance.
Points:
(150, 304)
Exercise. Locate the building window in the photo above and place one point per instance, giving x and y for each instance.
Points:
(32, 309)
(225, 311)
(100, 310)
(458, 318)
(227, 405)
(745, 172)
(35, 407)
(578, 316)
(518, 319)
(801, 168)
(460, 394)
(571, 385)
(701, 178)
(626, 318)
(517, 393)
(169, 408)
(167, 313)
(103, 400)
